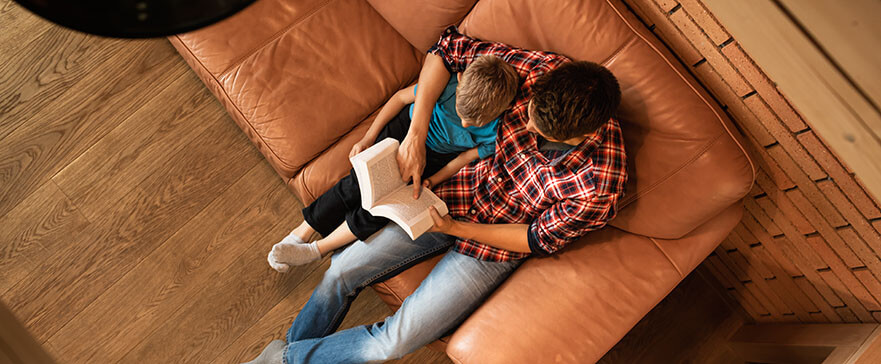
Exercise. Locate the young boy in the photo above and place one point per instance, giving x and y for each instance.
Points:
(462, 128)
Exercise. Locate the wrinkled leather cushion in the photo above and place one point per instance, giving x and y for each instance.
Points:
(421, 22)
(299, 75)
(685, 162)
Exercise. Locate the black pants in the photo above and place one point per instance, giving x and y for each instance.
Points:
(343, 201)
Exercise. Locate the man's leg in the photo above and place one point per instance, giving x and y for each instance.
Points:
(450, 293)
(386, 253)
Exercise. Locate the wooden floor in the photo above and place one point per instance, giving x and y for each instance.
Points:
(135, 217)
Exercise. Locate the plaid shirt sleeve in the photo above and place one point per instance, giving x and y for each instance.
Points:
(568, 220)
(458, 51)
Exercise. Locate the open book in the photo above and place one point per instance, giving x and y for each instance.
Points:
(384, 194)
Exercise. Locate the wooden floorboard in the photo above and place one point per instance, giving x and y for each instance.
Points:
(44, 69)
(176, 275)
(140, 145)
(131, 227)
(32, 230)
(83, 114)
(17, 29)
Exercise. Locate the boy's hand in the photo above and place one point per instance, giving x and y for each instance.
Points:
(411, 161)
(441, 224)
(359, 147)
(432, 181)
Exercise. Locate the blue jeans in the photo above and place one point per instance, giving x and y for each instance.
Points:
(453, 289)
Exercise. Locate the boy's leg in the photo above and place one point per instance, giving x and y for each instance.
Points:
(363, 224)
(329, 210)
(383, 255)
(288, 253)
(450, 293)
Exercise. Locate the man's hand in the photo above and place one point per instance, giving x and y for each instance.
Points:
(411, 161)
(441, 224)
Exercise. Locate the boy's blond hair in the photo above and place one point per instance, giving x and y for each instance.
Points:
(488, 86)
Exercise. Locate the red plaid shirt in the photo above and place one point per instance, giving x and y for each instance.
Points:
(560, 199)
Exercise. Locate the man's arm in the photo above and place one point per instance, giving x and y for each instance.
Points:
(411, 154)
(511, 237)
(565, 222)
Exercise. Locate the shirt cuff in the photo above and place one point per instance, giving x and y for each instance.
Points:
(534, 246)
(438, 48)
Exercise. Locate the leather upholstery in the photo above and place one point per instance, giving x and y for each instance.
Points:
(303, 79)
(420, 22)
(319, 69)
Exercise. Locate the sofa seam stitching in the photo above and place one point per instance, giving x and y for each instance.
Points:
(275, 37)
(675, 266)
(676, 171)
(618, 51)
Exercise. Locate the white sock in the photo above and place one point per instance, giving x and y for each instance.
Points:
(291, 238)
(272, 354)
(286, 254)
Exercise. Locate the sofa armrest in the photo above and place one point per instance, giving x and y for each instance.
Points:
(574, 306)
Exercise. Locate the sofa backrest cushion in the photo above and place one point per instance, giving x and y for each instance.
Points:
(299, 75)
(685, 161)
(421, 22)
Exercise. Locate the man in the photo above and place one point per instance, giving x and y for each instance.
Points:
(558, 172)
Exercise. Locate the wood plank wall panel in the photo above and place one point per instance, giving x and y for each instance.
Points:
(807, 248)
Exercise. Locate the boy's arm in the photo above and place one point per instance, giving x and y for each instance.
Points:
(452, 167)
(411, 154)
(388, 111)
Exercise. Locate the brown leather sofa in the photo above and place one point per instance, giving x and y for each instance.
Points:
(304, 79)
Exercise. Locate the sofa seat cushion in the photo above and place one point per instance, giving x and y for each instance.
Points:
(299, 75)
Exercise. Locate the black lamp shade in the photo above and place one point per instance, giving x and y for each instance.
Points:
(134, 18)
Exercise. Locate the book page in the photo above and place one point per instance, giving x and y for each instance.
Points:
(384, 194)
(385, 177)
(411, 214)
(377, 171)
(403, 203)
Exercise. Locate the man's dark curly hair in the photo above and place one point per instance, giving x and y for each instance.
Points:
(574, 100)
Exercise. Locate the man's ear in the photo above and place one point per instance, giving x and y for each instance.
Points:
(459, 76)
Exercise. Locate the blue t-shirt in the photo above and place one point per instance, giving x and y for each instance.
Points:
(445, 131)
